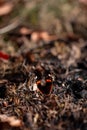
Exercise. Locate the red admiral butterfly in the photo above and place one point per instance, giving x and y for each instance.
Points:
(45, 88)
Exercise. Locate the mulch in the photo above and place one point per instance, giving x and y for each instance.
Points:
(43, 84)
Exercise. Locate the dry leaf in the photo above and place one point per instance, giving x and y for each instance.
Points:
(12, 121)
(5, 9)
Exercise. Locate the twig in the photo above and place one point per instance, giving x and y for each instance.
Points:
(10, 27)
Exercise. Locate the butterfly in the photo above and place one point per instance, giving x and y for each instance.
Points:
(46, 87)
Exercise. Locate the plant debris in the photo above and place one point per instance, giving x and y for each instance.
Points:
(43, 75)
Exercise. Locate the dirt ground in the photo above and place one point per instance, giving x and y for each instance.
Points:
(43, 65)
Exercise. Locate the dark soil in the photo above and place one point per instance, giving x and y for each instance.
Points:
(43, 81)
(63, 64)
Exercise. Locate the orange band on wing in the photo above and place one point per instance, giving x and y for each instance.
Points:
(48, 80)
(38, 82)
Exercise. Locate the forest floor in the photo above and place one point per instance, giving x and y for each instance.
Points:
(43, 65)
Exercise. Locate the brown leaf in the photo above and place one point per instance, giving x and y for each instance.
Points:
(12, 121)
(5, 9)
(25, 31)
(83, 1)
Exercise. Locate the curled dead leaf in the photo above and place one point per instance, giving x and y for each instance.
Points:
(45, 36)
(25, 31)
(5, 9)
(12, 121)
(83, 1)
(35, 36)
